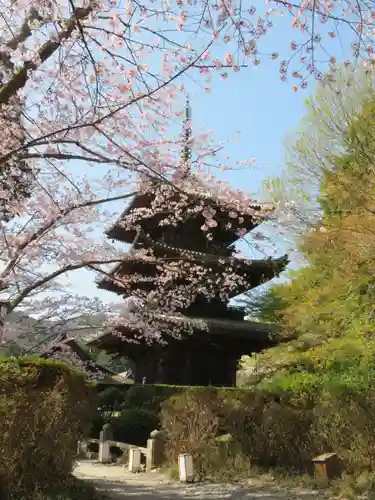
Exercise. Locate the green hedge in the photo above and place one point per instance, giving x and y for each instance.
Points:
(135, 411)
(45, 408)
(236, 411)
(150, 397)
(281, 425)
(134, 425)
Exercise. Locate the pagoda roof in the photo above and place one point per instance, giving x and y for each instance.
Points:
(144, 200)
(91, 367)
(127, 338)
(144, 273)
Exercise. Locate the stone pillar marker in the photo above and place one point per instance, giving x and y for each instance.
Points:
(186, 468)
(82, 448)
(134, 460)
(105, 435)
(108, 432)
(155, 450)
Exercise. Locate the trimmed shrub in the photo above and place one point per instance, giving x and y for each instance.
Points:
(44, 410)
(190, 420)
(277, 428)
(111, 397)
(139, 407)
(283, 424)
(119, 397)
(96, 425)
(134, 425)
(149, 397)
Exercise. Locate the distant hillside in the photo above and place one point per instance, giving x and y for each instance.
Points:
(27, 332)
(31, 336)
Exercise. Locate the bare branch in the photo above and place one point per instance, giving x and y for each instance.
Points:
(45, 52)
(49, 277)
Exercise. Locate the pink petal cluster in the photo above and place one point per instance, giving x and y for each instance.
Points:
(90, 92)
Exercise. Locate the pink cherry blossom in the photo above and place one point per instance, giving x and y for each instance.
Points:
(89, 93)
(228, 59)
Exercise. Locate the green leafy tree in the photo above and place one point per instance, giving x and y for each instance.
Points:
(268, 306)
(330, 304)
(312, 149)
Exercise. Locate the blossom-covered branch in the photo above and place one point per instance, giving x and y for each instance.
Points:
(89, 95)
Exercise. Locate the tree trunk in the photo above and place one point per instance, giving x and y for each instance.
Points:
(4, 311)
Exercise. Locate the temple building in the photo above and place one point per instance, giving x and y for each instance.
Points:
(67, 349)
(209, 354)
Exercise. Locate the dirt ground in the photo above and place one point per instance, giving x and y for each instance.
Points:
(118, 484)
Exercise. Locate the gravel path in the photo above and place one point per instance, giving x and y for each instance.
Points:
(120, 484)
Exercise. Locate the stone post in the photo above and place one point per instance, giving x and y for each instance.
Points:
(108, 432)
(155, 450)
(82, 448)
(106, 435)
(186, 468)
(134, 460)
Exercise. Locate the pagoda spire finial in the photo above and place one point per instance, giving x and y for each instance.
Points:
(186, 151)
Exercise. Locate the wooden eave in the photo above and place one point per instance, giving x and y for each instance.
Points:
(92, 366)
(119, 233)
(246, 332)
(257, 272)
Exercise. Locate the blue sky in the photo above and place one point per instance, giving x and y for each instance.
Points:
(253, 101)
(257, 104)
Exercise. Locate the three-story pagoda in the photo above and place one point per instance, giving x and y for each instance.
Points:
(210, 354)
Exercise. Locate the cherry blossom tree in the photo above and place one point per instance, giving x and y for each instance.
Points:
(89, 93)
(75, 76)
(61, 230)
(83, 64)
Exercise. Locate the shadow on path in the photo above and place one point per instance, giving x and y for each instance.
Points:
(119, 490)
(117, 483)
